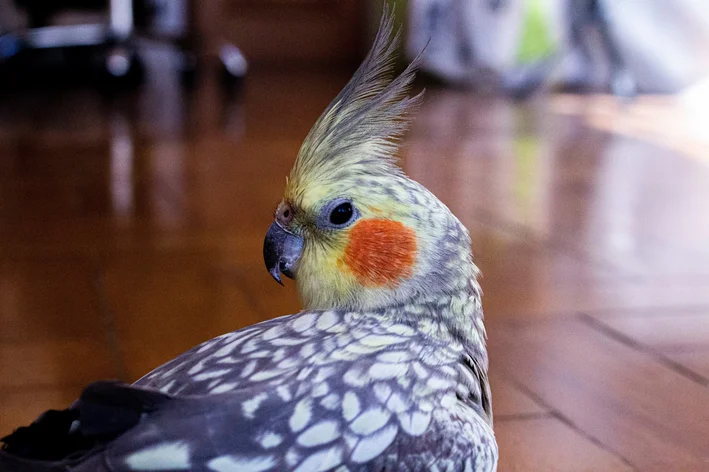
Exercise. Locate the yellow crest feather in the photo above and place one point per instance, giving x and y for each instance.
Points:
(359, 132)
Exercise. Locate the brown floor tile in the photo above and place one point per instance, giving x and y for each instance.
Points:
(545, 298)
(696, 361)
(547, 444)
(666, 330)
(21, 407)
(174, 302)
(630, 402)
(509, 401)
(47, 299)
(55, 362)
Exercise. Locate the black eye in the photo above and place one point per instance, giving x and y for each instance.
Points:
(341, 214)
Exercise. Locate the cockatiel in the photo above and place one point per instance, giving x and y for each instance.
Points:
(384, 370)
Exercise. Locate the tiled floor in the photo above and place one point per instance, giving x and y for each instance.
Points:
(131, 229)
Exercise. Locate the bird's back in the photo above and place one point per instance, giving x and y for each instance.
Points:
(315, 391)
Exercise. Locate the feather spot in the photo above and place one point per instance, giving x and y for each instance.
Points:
(330, 402)
(165, 456)
(394, 357)
(425, 406)
(381, 371)
(449, 401)
(377, 340)
(301, 415)
(382, 391)
(324, 373)
(370, 447)
(320, 390)
(166, 388)
(370, 421)
(356, 377)
(223, 388)
(401, 330)
(319, 434)
(206, 346)
(415, 423)
(292, 457)
(279, 355)
(437, 383)
(249, 368)
(344, 355)
(196, 367)
(350, 406)
(321, 460)
(273, 333)
(250, 406)
(213, 383)
(304, 373)
(420, 370)
(288, 341)
(229, 347)
(343, 339)
(304, 322)
(327, 320)
(265, 375)
(242, 463)
(396, 403)
(287, 363)
(250, 346)
(211, 374)
(260, 354)
(269, 440)
(307, 350)
(284, 393)
(360, 349)
(351, 440)
(229, 360)
(405, 382)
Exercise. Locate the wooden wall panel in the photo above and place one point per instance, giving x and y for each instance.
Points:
(296, 31)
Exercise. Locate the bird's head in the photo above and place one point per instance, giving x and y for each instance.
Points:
(352, 229)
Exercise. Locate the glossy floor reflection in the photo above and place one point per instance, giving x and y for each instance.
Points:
(131, 229)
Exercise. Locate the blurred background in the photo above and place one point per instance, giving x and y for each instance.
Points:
(144, 146)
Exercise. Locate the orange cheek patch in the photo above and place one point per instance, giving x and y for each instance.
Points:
(380, 252)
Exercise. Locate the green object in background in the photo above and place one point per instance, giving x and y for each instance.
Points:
(527, 152)
(536, 42)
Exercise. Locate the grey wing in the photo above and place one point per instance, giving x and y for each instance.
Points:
(315, 391)
(308, 435)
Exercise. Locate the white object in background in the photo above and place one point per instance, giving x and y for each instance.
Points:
(665, 43)
(468, 37)
(121, 18)
(695, 101)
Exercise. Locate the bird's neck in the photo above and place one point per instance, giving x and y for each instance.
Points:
(454, 314)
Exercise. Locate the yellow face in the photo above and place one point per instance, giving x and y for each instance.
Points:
(356, 246)
(352, 229)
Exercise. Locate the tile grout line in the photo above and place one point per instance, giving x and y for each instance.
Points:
(554, 413)
(109, 324)
(647, 312)
(627, 341)
(523, 416)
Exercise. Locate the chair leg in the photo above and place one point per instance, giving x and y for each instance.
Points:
(121, 19)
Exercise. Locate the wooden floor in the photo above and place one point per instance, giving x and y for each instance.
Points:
(131, 229)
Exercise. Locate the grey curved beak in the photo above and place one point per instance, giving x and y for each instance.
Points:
(281, 252)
